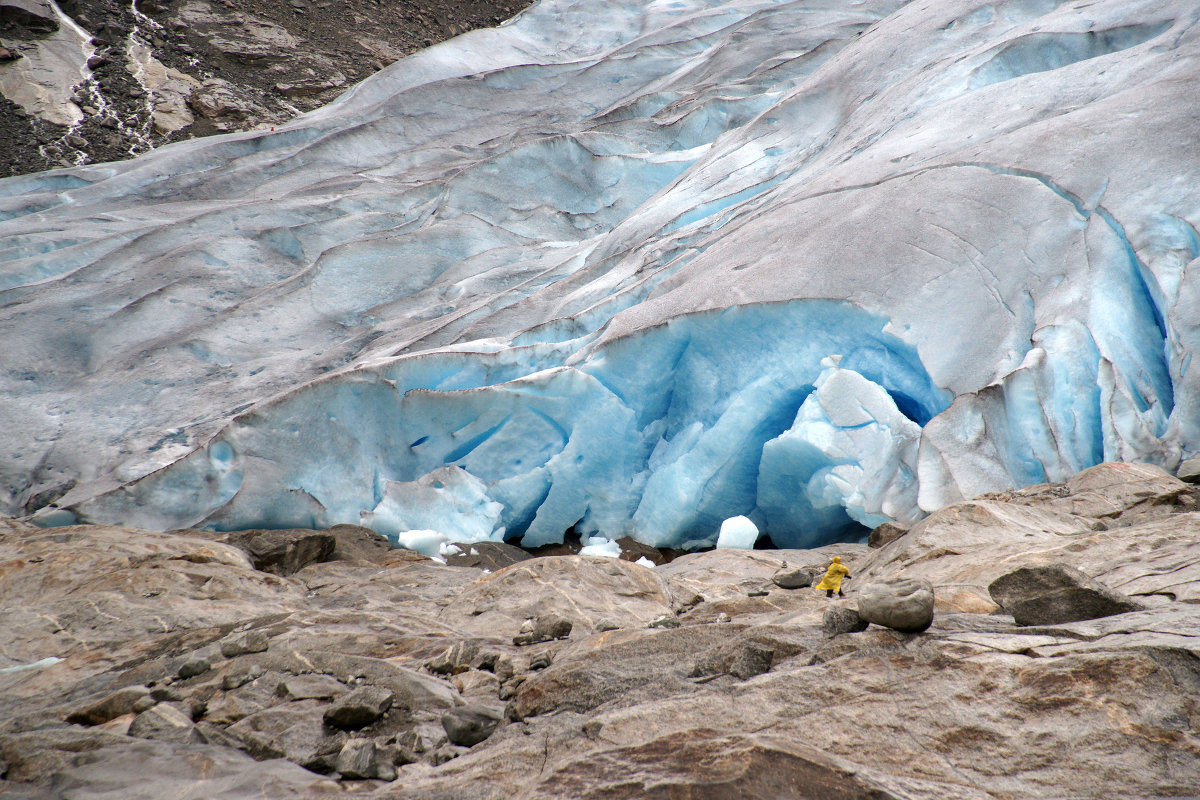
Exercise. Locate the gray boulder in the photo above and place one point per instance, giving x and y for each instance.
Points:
(359, 708)
(470, 725)
(795, 578)
(839, 619)
(903, 604)
(1055, 593)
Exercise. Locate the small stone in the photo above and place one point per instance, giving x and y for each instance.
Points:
(310, 687)
(165, 694)
(144, 704)
(665, 621)
(233, 681)
(358, 760)
(541, 661)
(469, 725)
(839, 619)
(457, 658)
(757, 593)
(606, 624)
(194, 667)
(723, 617)
(359, 708)
(241, 644)
(443, 754)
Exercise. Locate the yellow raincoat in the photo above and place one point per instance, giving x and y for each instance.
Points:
(833, 576)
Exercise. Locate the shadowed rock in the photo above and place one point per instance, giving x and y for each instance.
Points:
(359, 708)
(886, 533)
(839, 619)
(114, 705)
(284, 552)
(1057, 593)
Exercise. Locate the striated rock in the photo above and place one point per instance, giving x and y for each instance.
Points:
(470, 725)
(359, 708)
(903, 604)
(1055, 593)
(840, 619)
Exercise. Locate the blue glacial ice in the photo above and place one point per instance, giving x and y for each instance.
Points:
(630, 269)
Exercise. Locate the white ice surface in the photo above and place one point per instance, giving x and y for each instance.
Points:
(633, 269)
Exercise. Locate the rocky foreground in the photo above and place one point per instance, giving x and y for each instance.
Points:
(192, 664)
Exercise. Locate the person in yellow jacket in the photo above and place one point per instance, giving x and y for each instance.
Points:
(832, 582)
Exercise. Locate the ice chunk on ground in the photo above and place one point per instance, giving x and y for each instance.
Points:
(427, 543)
(599, 546)
(738, 532)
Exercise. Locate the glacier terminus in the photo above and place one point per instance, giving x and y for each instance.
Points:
(633, 269)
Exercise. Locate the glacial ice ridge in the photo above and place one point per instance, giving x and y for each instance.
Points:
(631, 269)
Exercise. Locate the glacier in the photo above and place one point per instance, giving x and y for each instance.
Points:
(630, 269)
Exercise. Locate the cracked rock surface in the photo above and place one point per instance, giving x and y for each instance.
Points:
(772, 702)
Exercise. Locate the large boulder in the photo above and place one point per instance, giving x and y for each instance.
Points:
(1055, 593)
(903, 604)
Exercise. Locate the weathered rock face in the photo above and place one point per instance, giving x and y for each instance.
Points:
(756, 692)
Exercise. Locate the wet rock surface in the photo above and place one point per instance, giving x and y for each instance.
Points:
(378, 679)
(165, 70)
